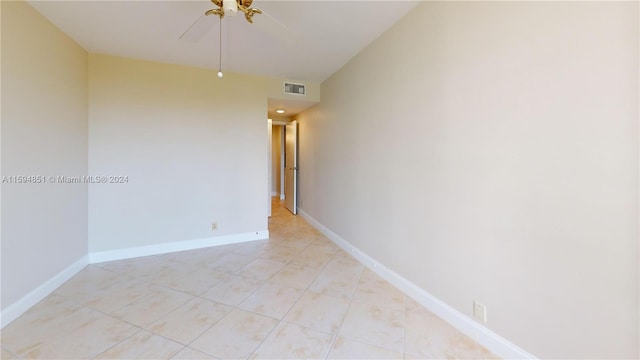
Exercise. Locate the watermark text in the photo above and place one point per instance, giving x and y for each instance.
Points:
(61, 179)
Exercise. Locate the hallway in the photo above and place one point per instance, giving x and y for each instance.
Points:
(296, 295)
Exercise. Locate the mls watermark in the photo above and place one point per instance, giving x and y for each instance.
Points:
(81, 179)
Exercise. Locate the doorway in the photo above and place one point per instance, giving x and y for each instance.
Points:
(283, 167)
(277, 160)
(291, 167)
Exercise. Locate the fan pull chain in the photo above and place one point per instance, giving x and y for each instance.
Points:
(220, 74)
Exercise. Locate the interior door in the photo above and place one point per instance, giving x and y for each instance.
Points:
(291, 167)
(269, 157)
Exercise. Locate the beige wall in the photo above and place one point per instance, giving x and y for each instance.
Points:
(489, 151)
(192, 145)
(44, 132)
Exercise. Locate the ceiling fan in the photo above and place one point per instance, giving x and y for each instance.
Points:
(230, 8)
(225, 7)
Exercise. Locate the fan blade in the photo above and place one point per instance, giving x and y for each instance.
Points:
(269, 25)
(198, 29)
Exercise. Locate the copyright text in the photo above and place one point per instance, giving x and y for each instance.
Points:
(84, 179)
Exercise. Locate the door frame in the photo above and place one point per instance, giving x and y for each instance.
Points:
(269, 164)
(282, 164)
(291, 203)
(270, 124)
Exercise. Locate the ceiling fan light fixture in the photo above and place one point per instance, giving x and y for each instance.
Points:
(225, 7)
(280, 111)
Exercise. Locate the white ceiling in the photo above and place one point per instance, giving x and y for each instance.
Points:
(328, 33)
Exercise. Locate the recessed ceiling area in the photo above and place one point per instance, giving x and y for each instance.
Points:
(291, 107)
(321, 36)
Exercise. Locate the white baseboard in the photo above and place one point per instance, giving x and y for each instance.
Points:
(18, 308)
(275, 193)
(128, 253)
(487, 338)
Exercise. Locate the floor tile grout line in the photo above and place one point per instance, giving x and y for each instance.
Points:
(207, 329)
(335, 336)
(150, 283)
(353, 299)
(119, 342)
(234, 307)
(138, 332)
(140, 328)
(404, 328)
(264, 339)
(166, 315)
(10, 352)
(130, 303)
(143, 279)
(255, 349)
(240, 301)
(83, 306)
(147, 329)
(237, 307)
(260, 287)
(287, 313)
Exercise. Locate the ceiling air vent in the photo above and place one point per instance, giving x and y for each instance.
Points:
(295, 89)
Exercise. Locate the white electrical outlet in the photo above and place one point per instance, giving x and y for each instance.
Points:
(480, 311)
(214, 226)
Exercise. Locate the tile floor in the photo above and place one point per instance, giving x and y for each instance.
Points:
(296, 295)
